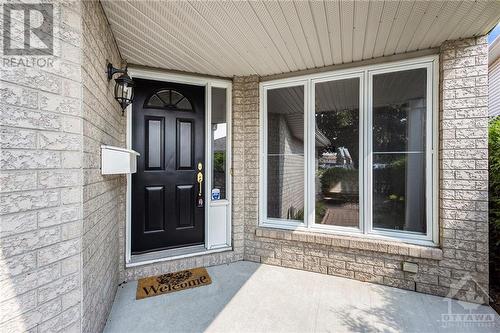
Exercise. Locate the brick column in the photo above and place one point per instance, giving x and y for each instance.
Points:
(463, 166)
(245, 159)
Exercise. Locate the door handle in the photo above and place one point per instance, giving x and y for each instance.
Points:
(199, 178)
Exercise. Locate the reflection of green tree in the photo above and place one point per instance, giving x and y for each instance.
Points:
(219, 161)
(296, 214)
(342, 129)
(390, 179)
(389, 127)
(328, 177)
(389, 192)
(320, 211)
(494, 199)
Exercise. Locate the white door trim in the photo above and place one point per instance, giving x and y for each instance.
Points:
(208, 83)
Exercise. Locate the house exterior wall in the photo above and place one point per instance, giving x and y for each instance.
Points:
(463, 153)
(60, 217)
(460, 263)
(62, 225)
(41, 186)
(494, 88)
(103, 196)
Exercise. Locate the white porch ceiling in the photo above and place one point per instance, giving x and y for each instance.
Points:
(227, 38)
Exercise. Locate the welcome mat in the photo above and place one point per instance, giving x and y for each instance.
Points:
(168, 283)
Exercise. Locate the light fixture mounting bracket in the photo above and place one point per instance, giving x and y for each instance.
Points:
(112, 71)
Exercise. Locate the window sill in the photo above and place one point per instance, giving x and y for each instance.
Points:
(353, 242)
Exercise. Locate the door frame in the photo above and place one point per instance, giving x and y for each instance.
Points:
(211, 208)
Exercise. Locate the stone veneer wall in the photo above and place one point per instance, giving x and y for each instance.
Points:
(463, 255)
(103, 196)
(41, 186)
(246, 136)
(60, 218)
(463, 152)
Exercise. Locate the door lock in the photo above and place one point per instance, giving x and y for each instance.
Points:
(199, 178)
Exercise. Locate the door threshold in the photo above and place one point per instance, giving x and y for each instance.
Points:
(173, 254)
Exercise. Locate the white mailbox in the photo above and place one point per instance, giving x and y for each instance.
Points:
(116, 160)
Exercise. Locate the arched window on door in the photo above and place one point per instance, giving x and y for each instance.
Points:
(169, 99)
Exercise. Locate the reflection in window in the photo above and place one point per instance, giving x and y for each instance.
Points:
(337, 153)
(399, 109)
(219, 143)
(285, 153)
(185, 144)
(169, 99)
(154, 143)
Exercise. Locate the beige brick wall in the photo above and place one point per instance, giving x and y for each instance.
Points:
(60, 218)
(245, 155)
(462, 192)
(463, 153)
(41, 186)
(103, 196)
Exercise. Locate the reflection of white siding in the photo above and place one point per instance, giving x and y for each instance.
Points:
(285, 170)
(494, 88)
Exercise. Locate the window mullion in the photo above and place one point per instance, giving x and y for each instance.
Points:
(310, 143)
(367, 186)
(307, 206)
(429, 153)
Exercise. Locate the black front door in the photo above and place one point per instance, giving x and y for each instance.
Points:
(168, 124)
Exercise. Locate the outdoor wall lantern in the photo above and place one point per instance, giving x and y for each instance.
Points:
(124, 86)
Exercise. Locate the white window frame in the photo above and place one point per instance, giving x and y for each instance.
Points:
(311, 136)
(275, 222)
(365, 75)
(209, 167)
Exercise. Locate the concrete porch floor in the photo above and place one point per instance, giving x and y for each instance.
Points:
(249, 297)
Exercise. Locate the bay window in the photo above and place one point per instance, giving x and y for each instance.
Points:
(352, 151)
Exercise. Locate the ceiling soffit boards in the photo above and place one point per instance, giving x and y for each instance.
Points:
(226, 38)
